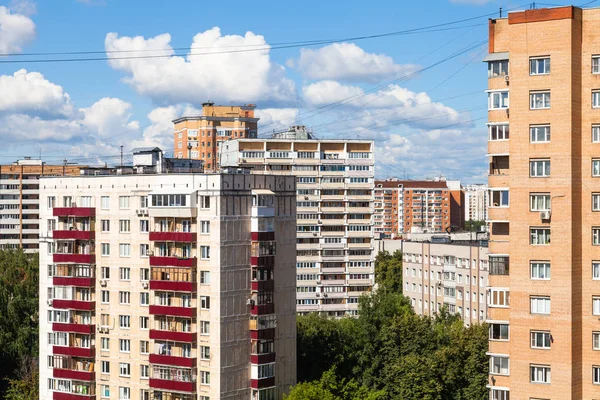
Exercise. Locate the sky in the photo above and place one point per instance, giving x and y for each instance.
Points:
(419, 95)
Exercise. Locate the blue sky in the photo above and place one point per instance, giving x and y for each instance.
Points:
(83, 111)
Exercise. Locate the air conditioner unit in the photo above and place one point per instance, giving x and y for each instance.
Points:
(318, 282)
(145, 285)
(145, 211)
(545, 215)
(318, 295)
(324, 294)
(320, 222)
(306, 197)
(103, 282)
(49, 302)
(151, 253)
(507, 79)
(315, 234)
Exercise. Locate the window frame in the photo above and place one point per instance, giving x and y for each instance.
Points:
(540, 263)
(547, 234)
(547, 373)
(501, 99)
(545, 100)
(547, 133)
(595, 98)
(491, 364)
(538, 298)
(534, 65)
(533, 340)
(546, 167)
(534, 196)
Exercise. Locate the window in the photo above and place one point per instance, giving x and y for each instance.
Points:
(144, 250)
(51, 202)
(596, 375)
(124, 298)
(144, 274)
(144, 322)
(204, 353)
(144, 371)
(105, 249)
(596, 236)
(105, 367)
(540, 374)
(105, 297)
(105, 225)
(539, 133)
(143, 201)
(124, 393)
(124, 321)
(499, 394)
(123, 202)
(539, 201)
(204, 327)
(539, 236)
(498, 132)
(144, 226)
(205, 252)
(144, 347)
(124, 226)
(266, 371)
(498, 331)
(204, 378)
(499, 198)
(124, 369)
(498, 100)
(539, 168)
(595, 64)
(596, 340)
(539, 66)
(205, 302)
(144, 298)
(540, 270)
(596, 270)
(124, 250)
(497, 297)
(499, 365)
(124, 345)
(540, 305)
(204, 277)
(497, 68)
(205, 202)
(105, 391)
(204, 227)
(596, 305)
(596, 98)
(539, 100)
(105, 344)
(595, 167)
(540, 340)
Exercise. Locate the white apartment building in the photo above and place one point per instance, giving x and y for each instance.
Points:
(476, 202)
(445, 274)
(335, 181)
(167, 287)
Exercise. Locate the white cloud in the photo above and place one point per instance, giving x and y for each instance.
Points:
(29, 92)
(347, 61)
(248, 76)
(276, 118)
(16, 30)
(25, 7)
(109, 117)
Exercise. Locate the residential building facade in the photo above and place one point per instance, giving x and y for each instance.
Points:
(20, 201)
(200, 137)
(168, 287)
(334, 208)
(476, 202)
(544, 297)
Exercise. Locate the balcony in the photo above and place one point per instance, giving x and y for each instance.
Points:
(185, 362)
(160, 261)
(74, 212)
(72, 396)
(174, 386)
(77, 375)
(188, 312)
(185, 237)
(173, 336)
(263, 261)
(73, 281)
(74, 258)
(263, 309)
(74, 328)
(499, 265)
(74, 304)
(262, 383)
(263, 236)
(174, 286)
(267, 285)
(262, 358)
(74, 235)
(74, 351)
(268, 333)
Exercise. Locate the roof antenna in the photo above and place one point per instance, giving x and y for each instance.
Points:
(500, 12)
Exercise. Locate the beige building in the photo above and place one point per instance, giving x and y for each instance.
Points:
(544, 296)
(168, 287)
(200, 137)
(453, 274)
(334, 206)
(476, 202)
(20, 201)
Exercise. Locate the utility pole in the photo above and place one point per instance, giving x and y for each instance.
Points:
(500, 12)
(121, 156)
(64, 166)
(189, 147)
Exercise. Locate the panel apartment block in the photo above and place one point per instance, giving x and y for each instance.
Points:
(168, 287)
(334, 206)
(544, 148)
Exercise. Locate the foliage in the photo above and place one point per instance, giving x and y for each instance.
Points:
(25, 387)
(330, 387)
(388, 271)
(474, 225)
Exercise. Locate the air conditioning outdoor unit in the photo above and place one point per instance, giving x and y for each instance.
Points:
(49, 302)
(145, 285)
(102, 282)
(507, 79)
(318, 295)
(545, 215)
(306, 197)
(324, 294)
(145, 211)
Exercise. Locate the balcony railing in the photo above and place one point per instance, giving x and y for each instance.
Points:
(186, 237)
(73, 281)
(74, 304)
(79, 375)
(88, 352)
(74, 258)
(175, 286)
(73, 327)
(176, 361)
(74, 212)
(160, 261)
(73, 235)
(173, 311)
(173, 336)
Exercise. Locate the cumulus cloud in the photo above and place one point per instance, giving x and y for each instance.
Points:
(247, 76)
(347, 61)
(31, 93)
(109, 116)
(16, 30)
(274, 119)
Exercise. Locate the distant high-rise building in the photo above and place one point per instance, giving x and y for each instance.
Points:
(476, 202)
(334, 204)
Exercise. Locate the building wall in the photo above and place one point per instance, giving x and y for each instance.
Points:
(476, 202)
(230, 214)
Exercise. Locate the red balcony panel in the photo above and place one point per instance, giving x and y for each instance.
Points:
(71, 281)
(263, 236)
(74, 212)
(262, 383)
(263, 261)
(267, 286)
(262, 358)
(74, 258)
(157, 261)
(74, 305)
(263, 334)
(72, 396)
(263, 309)
(75, 328)
(172, 360)
(174, 286)
(75, 235)
(186, 237)
(184, 337)
(74, 351)
(72, 374)
(175, 311)
(175, 386)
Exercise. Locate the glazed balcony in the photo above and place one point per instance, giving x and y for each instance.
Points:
(74, 212)
(79, 391)
(74, 374)
(185, 237)
(73, 235)
(74, 351)
(266, 285)
(72, 368)
(176, 311)
(173, 336)
(262, 358)
(73, 327)
(74, 258)
(175, 286)
(73, 275)
(165, 261)
(262, 383)
(177, 361)
(173, 379)
(263, 236)
(82, 305)
(175, 386)
(262, 309)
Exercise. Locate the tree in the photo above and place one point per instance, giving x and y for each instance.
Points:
(474, 225)
(330, 387)
(25, 387)
(388, 271)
